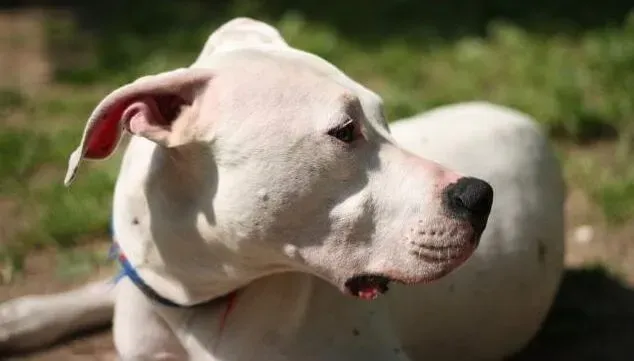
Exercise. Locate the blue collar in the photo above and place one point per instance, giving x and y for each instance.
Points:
(127, 270)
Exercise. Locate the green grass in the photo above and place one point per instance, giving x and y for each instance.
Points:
(33, 157)
(10, 99)
(579, 85)
(616, 198)
(74, 263)
(607, 174)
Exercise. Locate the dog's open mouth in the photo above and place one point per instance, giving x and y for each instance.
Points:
(367, 287)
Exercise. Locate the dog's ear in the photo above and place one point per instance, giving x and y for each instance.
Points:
(148, 107)
(239, 33)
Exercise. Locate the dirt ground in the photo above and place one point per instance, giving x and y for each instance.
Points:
(41, 277)
(592, 318)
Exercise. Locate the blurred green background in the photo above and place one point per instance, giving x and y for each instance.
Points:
(568, 63)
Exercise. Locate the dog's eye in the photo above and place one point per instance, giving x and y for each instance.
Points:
(345, 133)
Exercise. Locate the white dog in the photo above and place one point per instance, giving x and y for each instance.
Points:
(261, 184)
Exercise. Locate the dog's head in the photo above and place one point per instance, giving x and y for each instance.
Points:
(306, 175)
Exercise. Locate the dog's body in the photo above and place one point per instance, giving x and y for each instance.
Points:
(293, 214)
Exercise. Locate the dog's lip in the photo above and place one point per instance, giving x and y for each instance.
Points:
(443, 253)
(444, 258)
(367, 286)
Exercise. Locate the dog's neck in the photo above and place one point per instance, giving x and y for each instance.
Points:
(289, 316)
(157, 212)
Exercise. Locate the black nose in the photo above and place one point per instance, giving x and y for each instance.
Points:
(470, 199)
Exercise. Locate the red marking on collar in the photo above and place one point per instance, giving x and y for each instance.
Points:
(231, 303)
(230, 298)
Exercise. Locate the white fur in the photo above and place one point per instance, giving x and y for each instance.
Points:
(240, 205)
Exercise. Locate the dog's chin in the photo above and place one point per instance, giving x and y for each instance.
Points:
(369, 286)
(438, 263)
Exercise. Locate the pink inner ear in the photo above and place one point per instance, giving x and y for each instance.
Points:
(105, 135)
(161, 99)
(144, 117)
(158, 112)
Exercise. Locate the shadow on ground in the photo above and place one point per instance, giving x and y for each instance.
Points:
(592, 319)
